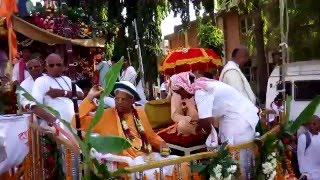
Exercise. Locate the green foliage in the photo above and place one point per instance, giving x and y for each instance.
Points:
(283, 141)
(305, 115)
(108, 144)
(223, 158)
(269, 145)
(210, 36)
(110, 80)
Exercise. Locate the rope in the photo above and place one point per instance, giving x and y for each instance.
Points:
(284, 29)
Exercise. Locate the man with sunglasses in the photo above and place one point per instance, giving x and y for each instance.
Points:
(35, 69)
(54, 89)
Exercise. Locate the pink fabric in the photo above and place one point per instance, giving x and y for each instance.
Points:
(182, 80)
(201, 83)
(22, 68)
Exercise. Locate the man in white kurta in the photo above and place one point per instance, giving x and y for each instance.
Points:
(308, 157)
(128, 73)
(54, 90)
(35, 69)
(232, 75)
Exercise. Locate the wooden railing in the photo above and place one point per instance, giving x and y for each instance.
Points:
(33, 164)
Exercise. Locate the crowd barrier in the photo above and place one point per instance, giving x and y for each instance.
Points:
(33, 166)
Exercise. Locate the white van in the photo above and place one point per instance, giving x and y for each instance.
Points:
(302, 82)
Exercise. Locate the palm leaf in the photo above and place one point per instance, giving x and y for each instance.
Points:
(119, 172)
(305, 115)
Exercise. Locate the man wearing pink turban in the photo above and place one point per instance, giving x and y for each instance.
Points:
(215, 99)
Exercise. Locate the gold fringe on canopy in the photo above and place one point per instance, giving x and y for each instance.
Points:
(42, 35)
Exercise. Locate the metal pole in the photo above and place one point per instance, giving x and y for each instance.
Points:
(72, 73)
(139, 52)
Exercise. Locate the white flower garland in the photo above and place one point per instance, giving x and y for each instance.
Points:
(269, 167)
(218, 172)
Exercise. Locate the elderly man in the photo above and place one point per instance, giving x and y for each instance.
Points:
(232, 75)
(35, 69)
(54, 89)
(125, 121)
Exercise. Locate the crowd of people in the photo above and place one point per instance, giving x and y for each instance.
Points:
(199, 104)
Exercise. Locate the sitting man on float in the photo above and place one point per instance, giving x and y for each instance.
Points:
(127, 121)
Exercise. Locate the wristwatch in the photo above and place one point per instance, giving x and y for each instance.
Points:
(65, 93)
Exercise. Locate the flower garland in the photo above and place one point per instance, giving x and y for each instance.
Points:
(145, 146)
(225, 174)
(269, 167)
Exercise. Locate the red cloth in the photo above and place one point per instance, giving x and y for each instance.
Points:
(189, 141)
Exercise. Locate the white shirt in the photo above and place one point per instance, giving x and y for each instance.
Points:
(103, 67)
(164, 86)
(27, 85)
(129, 74)
(221, 100)
(63, 105)
(232, 75)
(309, 159)
(15, 73)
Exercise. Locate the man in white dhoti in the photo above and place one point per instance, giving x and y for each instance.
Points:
(215, 99)
(232, 75)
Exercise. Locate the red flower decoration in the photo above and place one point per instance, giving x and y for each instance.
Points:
(286, 140)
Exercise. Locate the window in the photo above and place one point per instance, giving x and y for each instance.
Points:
(246, 24)
(288, 86)
(306, 90)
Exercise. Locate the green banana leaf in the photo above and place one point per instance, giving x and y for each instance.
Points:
(305, 115)
(110, 80)
(109, 144)
(288, 108)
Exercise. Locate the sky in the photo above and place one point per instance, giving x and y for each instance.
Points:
(167, 25)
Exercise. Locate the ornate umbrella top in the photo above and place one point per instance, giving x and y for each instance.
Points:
(188, 59)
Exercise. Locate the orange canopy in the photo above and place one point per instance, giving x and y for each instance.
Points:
(189, 59)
